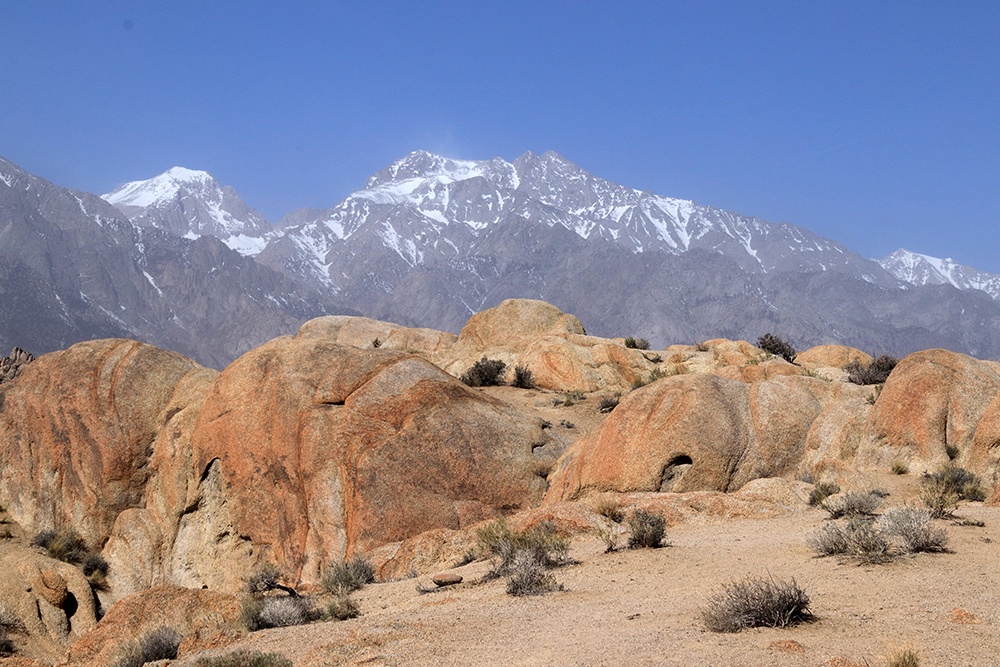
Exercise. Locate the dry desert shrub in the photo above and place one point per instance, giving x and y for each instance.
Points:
(912, 529)
(351, 575)
(859, 539)
(260, 613)
(776, 346)
(245, 658)
(877, 372)
(343, 608)
(967, 485)
(609, 507)
(523, 377)
(854, 504)
(900, 467)
(528, 576)
(647, 530)
(607, 404)
(66, 544)
(636, 343)
(822, 491)
(754, 603)
(903, 658)
(485, 373)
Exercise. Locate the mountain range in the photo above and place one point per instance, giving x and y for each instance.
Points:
(181, 261)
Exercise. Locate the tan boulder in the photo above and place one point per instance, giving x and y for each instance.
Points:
(933, 399)
(758, 372)
(81, 422)
(983, 456)
(323, 450)
(515, 324)
(185, 610)
(837, 434)
(681, 433)
(831, 356)
(361, 332)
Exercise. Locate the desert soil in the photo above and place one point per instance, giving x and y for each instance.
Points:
(642, 607)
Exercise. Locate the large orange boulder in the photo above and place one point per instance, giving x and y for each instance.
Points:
(831, 356)
(363, 332)
(80, 425)
(320, 450)
(931, 400)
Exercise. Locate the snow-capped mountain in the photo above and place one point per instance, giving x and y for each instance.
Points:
(192, 203)
(426, 207)
(917, 269)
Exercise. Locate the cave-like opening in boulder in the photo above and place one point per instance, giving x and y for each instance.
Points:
(673, 471)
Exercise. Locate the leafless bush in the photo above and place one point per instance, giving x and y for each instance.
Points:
(647, 530)
(912, 530)
(859, 539)
(854, 504)
(754, 603)
(245, 658)
(528, 575)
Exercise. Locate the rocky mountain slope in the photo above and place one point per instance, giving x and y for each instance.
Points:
(917, 269)
(74, 268)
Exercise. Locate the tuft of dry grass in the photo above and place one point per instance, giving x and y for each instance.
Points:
(608, 506)
(757, 602)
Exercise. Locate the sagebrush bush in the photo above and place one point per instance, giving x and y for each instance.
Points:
(647, 530)
(343, 608)
(877, 372)
(485, 373)
(940, 499)
(965, 484)
(636, 343)
(497, 541)
(859, 539)
(260, 613)
(900, 467)
(853, 504)
(912, 530)
(245, 658)
(774, 345)
(160, 644)
(607, 404)
(523, 377)
(528, 575)
(822, 491)
(754, 603)
(349, 576)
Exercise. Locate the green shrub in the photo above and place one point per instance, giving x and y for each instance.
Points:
(523, 377)
(754, 603)
(485, 373)
(854, 504)
(349, 576)
(774, 345)
(960, 481)
(246, 658)
(822, 491)
(636, 343)
(647, 530)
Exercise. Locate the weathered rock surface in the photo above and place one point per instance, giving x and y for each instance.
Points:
(831, 356)
(931, 400)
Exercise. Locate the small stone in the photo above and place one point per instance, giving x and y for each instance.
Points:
(446, 579)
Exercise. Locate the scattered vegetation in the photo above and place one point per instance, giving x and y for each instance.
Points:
(528, 575)
(859, 539)
(821, 492)
(900, 467)
(6, 645)
(159, 644)
(376, 343)
(524, 555)
(774, 345)
(343, 608)
(569, 398)
(701, 347)
(877, 372)
(654, 358)
(656, 374)
(566, 424)
(971, 522)
(607, 404)
(636, 343)
(523, 377)
(854, 504)
(912, 530)
(260, 613)
(903, 658)
(609, 507)
(759, 359)
(485, 373)
(609, 536)
(647, 530)
(66, 544)
(349, 576)
(245, 658)
(754, 603)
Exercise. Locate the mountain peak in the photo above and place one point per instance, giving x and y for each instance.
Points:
(917, 269)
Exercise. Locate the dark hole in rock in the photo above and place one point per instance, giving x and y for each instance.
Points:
(673, 471)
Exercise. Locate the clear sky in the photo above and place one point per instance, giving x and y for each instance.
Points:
(873, 123)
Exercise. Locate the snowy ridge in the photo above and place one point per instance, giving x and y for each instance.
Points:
(426, 204)
(190, 204)
(917, 269)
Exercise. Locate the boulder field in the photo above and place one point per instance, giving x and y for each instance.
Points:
(355, 437)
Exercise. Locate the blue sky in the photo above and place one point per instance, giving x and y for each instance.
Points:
(873, 123)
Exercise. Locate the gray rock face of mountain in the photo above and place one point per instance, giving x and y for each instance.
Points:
(72, 267)
(191, 204)
(917, 269)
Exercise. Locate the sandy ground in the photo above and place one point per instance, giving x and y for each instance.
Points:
(642, 607)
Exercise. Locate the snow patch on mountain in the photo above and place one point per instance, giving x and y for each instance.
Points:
(917, 269)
